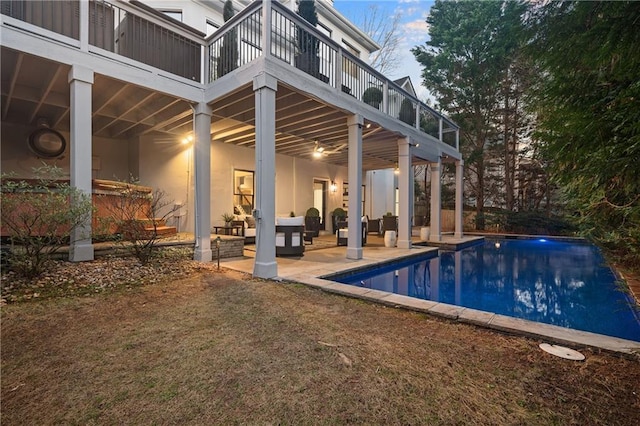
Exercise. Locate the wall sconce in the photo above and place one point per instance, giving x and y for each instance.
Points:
(396, 170)
(187, 140)
(333, 187)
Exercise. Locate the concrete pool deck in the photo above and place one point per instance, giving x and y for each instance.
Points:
(332, 259)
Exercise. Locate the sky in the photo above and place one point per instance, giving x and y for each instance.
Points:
(413, 31)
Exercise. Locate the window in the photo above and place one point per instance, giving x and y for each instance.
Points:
(324, 29)
(212, 27)
(345, 196)
(175, 14)
(397, 202)
(243, 191)
(348, 66)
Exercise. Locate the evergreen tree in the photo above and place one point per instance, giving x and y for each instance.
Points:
(471, 47)
(407, 112)
(589, 114)
(308, 45)
(228, 59)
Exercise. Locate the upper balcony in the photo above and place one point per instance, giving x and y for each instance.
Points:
(139, 33)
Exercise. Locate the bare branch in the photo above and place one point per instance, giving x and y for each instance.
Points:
(385, 31)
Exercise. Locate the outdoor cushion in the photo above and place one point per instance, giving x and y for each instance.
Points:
(251, 221)
(290, 221)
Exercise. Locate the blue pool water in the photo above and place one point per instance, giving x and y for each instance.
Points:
(559, 283)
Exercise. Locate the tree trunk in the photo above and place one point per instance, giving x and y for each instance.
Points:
(508, 154)
(480, 192)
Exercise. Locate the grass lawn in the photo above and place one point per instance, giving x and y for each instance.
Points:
(222, 348)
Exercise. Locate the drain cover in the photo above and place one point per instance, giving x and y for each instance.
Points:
(562, 352)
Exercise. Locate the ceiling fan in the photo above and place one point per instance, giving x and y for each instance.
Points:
(173, 140)
(320, 151)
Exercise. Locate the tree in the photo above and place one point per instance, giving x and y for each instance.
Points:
(38, 215)
(228, 59)
(407, 112)
(589, 55)
(136, 214)
(385, 31)
(307, 10)
(307, 58)
(471, 46)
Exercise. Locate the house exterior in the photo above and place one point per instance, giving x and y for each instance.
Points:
(247, 115)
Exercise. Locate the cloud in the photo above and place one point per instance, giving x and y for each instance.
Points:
(419, 25)
(415, 32)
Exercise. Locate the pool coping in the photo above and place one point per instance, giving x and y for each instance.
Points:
(557, 334)
(311, 268)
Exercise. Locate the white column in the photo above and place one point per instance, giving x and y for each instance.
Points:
(84, 25)
(266, 27)
(80, 82)
(354, 221)
(385, 97)
(434, 278)
(265, 86)
(459, 192)
(338, 69)
(202, 166)
(404, 196)
(435, 231)
(457, 277)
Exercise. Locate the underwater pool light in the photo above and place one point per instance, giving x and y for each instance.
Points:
(542, 240)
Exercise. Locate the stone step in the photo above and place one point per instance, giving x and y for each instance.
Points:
(162, 231)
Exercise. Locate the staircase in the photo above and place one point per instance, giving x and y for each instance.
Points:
(144, 228)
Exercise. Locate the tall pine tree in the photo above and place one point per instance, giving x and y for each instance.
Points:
(228, 59)
(589, 114)
(465, 65)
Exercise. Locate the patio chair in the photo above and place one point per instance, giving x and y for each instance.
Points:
(374, 227)
(290, 236)
(389, 223)
(343, 232)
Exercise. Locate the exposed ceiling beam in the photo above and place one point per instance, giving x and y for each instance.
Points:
(126, 111)
(45, 92)
(113, 95)
(12, 85)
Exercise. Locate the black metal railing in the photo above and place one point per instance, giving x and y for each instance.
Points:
(62, 17)
(136, 37)
(296, 42)
(237, 43)
(140, 33)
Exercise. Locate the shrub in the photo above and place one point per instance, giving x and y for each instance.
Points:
(530, 222)
(228, 59)
(339, 212)
(373, 96)
(312, 212)
(136, 214)
(407, 112)
(38, 215)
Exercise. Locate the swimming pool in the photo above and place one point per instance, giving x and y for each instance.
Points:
(562, 283)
